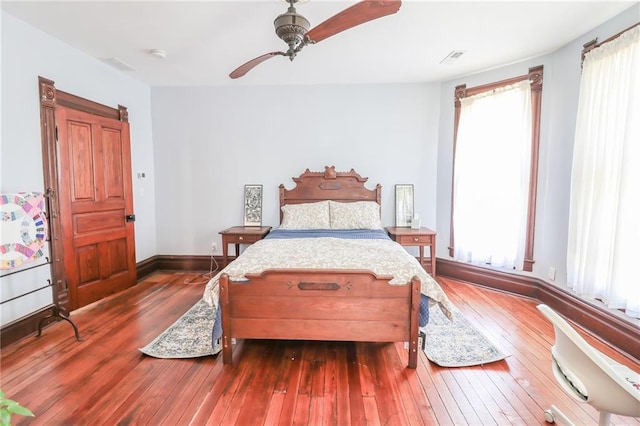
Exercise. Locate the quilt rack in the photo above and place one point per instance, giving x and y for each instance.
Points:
(57, 311)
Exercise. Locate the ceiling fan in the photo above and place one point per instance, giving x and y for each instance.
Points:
(293, 28)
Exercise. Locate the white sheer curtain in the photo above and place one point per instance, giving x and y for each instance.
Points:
(491, 176)
(604, 219)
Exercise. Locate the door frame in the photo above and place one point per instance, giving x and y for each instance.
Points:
(50, 99)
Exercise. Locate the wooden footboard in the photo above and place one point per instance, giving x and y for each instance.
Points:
(320, 305)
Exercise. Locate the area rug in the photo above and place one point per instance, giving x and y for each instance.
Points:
(188, 337)
(454, 343)
(457, 343)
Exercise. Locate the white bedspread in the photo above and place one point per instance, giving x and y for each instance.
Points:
(383, 257)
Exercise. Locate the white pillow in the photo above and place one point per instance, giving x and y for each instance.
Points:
(306, 216)
(356, 215)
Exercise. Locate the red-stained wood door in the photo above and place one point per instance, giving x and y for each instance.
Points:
(95, 198)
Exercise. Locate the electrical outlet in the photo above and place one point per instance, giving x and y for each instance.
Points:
(214, 246)
(552, 273)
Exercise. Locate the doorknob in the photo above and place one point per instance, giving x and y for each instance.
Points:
(130, 218)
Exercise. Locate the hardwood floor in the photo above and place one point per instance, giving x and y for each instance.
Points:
(104, 379)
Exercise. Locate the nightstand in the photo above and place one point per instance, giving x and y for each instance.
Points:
(423, 237)
(241, 235)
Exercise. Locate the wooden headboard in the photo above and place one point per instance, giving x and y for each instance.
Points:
(328, 185)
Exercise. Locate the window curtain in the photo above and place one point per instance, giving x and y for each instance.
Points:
(491, 176)
(604, 215)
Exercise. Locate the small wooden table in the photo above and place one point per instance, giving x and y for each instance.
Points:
(423, 237)
(241, 235)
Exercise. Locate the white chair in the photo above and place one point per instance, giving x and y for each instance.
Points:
(589, 376)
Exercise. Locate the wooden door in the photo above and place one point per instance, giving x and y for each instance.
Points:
(95, 198)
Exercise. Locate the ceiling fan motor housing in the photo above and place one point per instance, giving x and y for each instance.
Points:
(291, 27)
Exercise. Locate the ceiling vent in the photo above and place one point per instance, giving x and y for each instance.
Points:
(119, 64)
(452, 57)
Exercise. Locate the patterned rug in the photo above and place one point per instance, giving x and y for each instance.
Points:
(448, 344)
(457, 343)
(188, 337)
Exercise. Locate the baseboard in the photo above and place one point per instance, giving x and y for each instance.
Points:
(603, 323)
(23, 327)
(607, 325)
(182, 263)
(146, 267)
(488, 277)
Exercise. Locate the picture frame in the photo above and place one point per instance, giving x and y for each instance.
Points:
(253, 205)
(404, 205)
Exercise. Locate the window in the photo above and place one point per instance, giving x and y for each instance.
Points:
(495, 172)
(604, 230)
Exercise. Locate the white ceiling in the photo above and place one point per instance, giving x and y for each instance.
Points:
(206, 40)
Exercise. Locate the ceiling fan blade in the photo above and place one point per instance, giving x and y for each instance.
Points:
(357, 14)
(248, 66)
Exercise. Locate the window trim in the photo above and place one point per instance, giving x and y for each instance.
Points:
(534, 75)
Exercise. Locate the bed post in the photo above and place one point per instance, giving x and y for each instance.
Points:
(413, 318)
(226, 321)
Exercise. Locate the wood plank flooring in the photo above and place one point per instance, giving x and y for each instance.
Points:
(104, 379)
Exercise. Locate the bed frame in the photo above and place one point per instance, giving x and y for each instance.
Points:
(312, 304)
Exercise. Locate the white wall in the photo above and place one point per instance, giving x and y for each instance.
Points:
(211, 141)
(26, 54)
(561, 86)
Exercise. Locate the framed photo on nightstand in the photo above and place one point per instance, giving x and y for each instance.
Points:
(253, 205)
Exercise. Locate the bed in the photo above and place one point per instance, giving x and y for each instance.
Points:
(328, 272)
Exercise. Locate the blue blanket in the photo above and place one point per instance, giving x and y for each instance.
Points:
(353, 234)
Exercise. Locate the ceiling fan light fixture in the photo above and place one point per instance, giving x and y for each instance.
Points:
(291, 27)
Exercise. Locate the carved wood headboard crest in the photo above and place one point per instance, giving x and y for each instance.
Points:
(328, 185)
